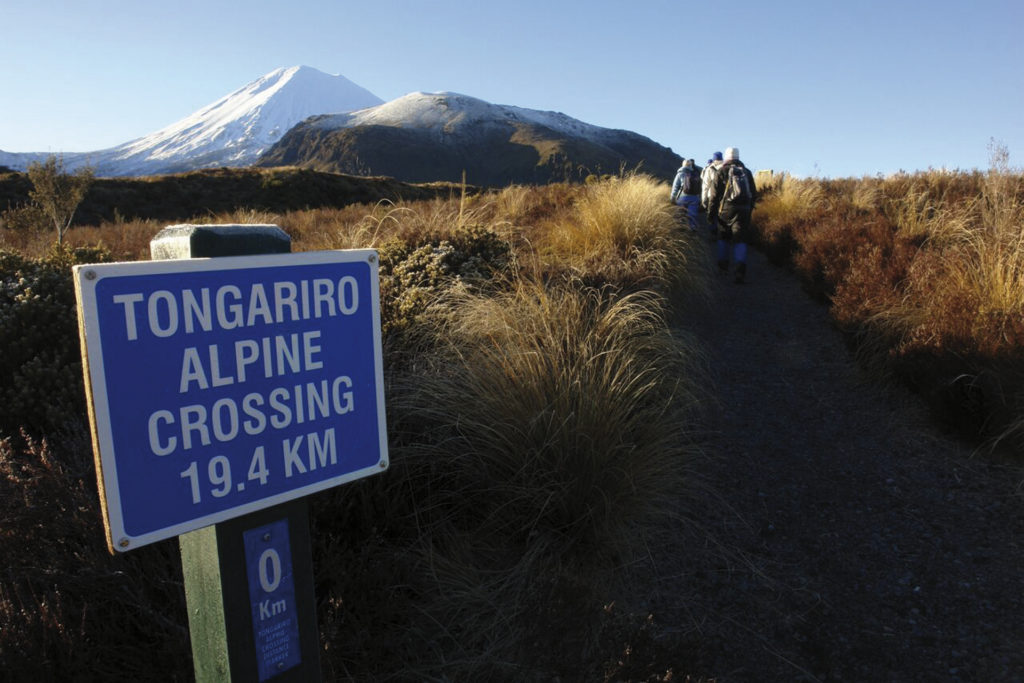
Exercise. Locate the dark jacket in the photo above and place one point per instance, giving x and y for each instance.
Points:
(717, 190)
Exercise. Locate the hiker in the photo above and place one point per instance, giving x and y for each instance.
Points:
(707, 178)
(731, 199)
(686, 189)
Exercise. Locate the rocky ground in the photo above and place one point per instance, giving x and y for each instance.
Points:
(841, 535)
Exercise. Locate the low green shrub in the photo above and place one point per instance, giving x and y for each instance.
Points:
(414, 275)
(41, 385)
(24, 218)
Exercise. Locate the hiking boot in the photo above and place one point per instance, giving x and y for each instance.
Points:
(741, 273)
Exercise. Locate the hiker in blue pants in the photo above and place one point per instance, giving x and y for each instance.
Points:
(732, 199)
(686, 189)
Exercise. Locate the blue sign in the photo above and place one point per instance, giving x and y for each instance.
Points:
(218, 387)
(275, 623)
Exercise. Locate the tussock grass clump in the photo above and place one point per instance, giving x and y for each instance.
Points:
(569, 402)
(620, 215)
(789, 201)
(622, 230)
(554, 429)
(918, 216)
(784, 211)
(526, 206)
(353, 227)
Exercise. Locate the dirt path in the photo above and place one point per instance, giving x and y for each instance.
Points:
(846, 537)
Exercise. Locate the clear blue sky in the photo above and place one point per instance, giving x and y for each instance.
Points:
(810, 86)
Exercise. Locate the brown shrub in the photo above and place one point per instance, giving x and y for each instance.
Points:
(67, 607)
(926, 273)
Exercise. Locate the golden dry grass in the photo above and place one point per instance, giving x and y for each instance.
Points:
(927, 272)
(791, 200)
(539, 427)
(561, 437)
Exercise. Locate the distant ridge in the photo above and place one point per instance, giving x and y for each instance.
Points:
(424, 137)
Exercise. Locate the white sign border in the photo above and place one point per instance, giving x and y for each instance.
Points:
(86, 278)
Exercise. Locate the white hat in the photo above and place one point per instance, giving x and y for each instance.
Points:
(732, 153)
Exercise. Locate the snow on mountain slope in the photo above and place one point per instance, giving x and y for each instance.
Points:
(425, 137)
(233, 131)
(451, 113)
(236, 129)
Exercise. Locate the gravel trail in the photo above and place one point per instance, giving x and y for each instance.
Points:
(842, 535)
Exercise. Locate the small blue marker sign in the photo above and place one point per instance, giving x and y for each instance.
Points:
(275, 624)
(218, 387)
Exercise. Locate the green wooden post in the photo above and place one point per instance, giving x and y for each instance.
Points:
(221, 579)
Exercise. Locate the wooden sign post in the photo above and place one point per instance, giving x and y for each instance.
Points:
(229, 641)
(228, 379)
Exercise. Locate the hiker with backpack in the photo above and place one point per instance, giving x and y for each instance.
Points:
(731, 198)
(707, 180)
(686, 188)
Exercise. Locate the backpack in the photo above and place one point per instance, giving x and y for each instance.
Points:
(691, 181)
(737, 186)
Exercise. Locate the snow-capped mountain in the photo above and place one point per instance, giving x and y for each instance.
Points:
(303, 117)
(233, 131)
(423, 137)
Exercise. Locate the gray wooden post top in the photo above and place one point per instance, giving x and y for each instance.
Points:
(206, 241)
